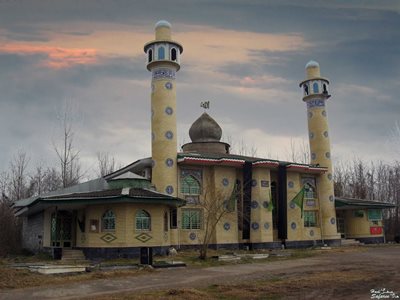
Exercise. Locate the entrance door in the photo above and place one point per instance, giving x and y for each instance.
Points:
(340, 223)
(61, 229)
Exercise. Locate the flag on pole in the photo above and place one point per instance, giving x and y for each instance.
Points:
(299, 200)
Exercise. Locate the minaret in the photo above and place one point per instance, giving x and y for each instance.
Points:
(315, 94)
(163, 58)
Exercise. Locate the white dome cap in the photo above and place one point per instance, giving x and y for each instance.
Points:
(163, 23)
(312, 64)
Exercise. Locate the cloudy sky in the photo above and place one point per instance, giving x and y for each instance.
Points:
(245, 56)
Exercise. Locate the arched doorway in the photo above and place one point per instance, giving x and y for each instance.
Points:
(61, 229)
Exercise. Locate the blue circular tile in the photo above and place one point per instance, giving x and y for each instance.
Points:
(169, 135)
(311, 135)
(333, 221)
(310, 114)
(328, 155)
(331, 198)
(227, 226)
(326, 134)
(225, 182)
(266, 225)
(192, 236)
(255, 226)
(169, 162)
(169, 189)
(330, 176)
(292, 205)
(168, 85)
(291, 184)
(311, 232)
(313, 156)
(293, 225)
(254, 183)
(169, 111)
(265, 204)
(323, 113)
(254, 204)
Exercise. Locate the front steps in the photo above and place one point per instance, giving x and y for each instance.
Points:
(73, 255)
(350, 242)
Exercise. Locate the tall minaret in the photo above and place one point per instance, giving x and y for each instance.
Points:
(315, 94)
(163, 58)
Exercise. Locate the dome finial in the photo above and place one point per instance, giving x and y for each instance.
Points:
(205, 129)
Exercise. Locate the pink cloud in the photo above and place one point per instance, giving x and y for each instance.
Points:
(56, 57)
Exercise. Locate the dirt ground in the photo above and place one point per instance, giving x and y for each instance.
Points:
(342, 273)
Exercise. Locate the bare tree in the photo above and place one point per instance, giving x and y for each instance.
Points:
(18, 176)
(68, 156)
(106, 163)
(299, 152)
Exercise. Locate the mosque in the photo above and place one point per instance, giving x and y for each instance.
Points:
(204, 191)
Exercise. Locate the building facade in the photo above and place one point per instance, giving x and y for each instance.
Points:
(172, 198)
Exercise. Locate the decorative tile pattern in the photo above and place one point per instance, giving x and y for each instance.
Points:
(265, 204)
(292, 205)
(323, 113)
(227, 226)
(333, 220)
(315, 103)
(108, 237)
(310, 202)
(293, 225)
(168, 85)
(331, 198)
(266, 225)
(169, 189)
(192, 236)
(225, 182)
(163, 73)
(311, 232)
(169, 111)
(326, 134)
(328, 155)
(169, 135)
(255, 226)
(264, 183)
(254, 183)
(153, 88)
(311, 135)
(330, 176)
(254, 204)
(169, 162)
(143, 237)
(192, 199)
(313, 156)
(291, 184)
(310, 114)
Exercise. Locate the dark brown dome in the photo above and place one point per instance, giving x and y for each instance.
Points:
(205, 129)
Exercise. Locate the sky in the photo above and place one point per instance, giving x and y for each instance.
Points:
(246, 57)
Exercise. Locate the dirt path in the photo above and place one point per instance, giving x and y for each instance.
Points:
(332, 275)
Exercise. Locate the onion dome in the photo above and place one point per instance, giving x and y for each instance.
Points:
(205, 129)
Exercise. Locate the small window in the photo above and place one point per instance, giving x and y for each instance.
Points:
(315, 88)
(325, 91)
(165, 221)
(143, 221)
(150, 55)
(174, 218)
(173, 54)
(108, 221)
(306, 89)
(310, 219)
(191, 219)
(190, 185)
(161, 53)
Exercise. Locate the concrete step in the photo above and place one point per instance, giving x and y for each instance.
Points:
(350, 242)
(72, 254)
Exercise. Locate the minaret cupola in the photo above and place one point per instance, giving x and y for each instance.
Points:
(314, 83)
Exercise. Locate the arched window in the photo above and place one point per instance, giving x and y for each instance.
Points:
(173, 54)
(325, 91)
(165, 221)
(315, 88)
(190, 185)
(143, 221)
(150, 55)
(309, 191)
(306, 89)
(161, 53)
(108, 221)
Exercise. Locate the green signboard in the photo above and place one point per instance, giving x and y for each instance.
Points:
(374, 214)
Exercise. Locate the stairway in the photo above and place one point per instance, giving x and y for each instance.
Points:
(73, 256)
(350, 242)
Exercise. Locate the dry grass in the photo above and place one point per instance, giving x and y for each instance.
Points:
(12, 278)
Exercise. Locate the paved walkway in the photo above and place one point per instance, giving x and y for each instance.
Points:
(188, 277)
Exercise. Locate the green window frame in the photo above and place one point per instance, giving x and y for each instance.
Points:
(108, 221)
(374, 214)
(191, 219)
(190, 185)
(143, 220)
(310, 218)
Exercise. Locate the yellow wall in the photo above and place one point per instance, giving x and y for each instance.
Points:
(357, 227)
